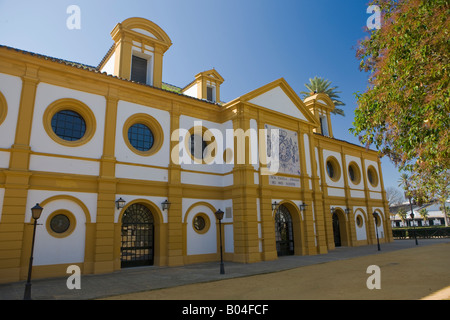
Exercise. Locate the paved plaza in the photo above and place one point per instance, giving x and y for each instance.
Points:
(407, 271)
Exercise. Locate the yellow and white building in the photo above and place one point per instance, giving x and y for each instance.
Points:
(76, 139)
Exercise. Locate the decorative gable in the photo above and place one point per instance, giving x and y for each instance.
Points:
(279, 96)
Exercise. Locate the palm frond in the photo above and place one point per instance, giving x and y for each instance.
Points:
(320, 85)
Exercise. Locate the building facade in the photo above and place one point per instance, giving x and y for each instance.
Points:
(76, 139)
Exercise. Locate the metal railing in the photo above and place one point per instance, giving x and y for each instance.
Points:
(421, 233)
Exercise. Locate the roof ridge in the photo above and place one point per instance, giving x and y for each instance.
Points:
(96, 70)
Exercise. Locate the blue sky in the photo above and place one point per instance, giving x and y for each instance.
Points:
(249, 42)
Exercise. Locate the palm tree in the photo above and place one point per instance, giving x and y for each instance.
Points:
(320, 85)
(424, 214)
(404, 182)
(402, 214)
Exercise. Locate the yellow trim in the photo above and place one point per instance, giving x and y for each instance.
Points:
(374, 175)
(72, 223)
(102, 242)
(200, 203)
(70, 198)
(356, 172)
(336, 168)
(123, 36)
(73, 105)
(287, 90)
(3, 108)
(210, 140)
(152, 124)
(207, 223)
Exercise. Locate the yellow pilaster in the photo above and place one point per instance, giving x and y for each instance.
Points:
(350, 225)
(317, 197)
(158, 67)
(310, 238)
(244, 195)
(15, 245)
(104, 257)
(175, 195)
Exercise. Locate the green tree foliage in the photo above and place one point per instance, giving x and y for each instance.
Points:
(320, 85)
(405, 111)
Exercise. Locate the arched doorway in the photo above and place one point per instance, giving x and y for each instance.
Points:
(284, 235)
(137, 237)
(336, 230)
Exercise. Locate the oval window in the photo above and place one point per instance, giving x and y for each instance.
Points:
(354, 173)
(333, 169)
(330, 169)
(372, 176)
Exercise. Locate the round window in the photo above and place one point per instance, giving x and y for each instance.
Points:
(354, 173)
(333, 170)
(60, 223)
(201, 145)
(197, 146)
(68, 125)
(330, 169)
(372, 176)
(140, 137)
(201, 223)
(359, 221)
(69, 122)
(143, 134)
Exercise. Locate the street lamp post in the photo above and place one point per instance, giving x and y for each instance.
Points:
(36, 214)
(219, 216)
(376, 229)
(414, 227)
(412, 217)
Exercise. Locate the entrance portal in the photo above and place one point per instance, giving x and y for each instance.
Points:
(336, 230)
(137, 243)
(283, 232)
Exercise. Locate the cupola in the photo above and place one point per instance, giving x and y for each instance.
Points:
(320, 105)
(137, 53)
(206, 86)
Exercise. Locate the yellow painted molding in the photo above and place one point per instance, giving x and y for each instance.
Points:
(3, 108)
(152, 124)
(69, 198)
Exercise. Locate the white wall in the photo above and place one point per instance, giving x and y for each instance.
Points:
(277, 100)
(52, 250)
(11, 88)
(123, 153)
(207, 242)
(41, 142)
(337, 156)
(2, 195)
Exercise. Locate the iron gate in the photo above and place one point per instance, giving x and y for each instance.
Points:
(283, 232)
(336, 230)
(137, 237)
